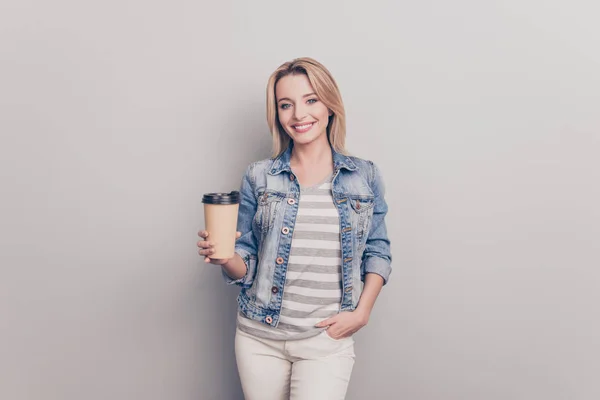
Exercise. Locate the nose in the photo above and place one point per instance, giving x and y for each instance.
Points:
(299, 111)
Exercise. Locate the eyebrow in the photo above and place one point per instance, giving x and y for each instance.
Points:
(306, 95)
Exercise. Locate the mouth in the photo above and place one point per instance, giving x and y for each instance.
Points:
(302, 128)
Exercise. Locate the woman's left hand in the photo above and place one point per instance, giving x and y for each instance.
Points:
(344, 324)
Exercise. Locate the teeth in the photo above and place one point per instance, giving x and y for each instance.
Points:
(302, 126)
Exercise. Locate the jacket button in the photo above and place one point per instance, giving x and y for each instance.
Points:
(292, 177)
(291, 201)
(357, 205)
(268, 319)
(275, 289)
(279, 260)
(285, 230)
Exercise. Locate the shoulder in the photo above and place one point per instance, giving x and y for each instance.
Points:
(369, 171)
(361, 163)
(257, 170)
(260, 166)
(366, 168)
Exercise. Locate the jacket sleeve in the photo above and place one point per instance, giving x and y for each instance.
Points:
(377, 257)
(247, 245)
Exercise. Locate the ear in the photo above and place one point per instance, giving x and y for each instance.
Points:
(330, 113)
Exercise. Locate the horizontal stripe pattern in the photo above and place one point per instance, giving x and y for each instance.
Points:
(318, 212)
(315, 260)
(289, 312)
(312, 252)
(330, 228)
(329, 236)
(316, 244)
(322, 277)
(325, 192)
(309, 308)
(317, 219)
(314, 200)
(313, 286)
(324, 299)
(317, 269)
(325, 294)
(303, 283)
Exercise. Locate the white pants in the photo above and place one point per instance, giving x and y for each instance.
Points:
(307, 369)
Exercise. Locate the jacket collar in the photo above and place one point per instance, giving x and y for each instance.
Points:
(282, 162)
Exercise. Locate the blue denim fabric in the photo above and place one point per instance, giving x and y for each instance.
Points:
(269, 203)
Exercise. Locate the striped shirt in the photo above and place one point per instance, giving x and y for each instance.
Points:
(313, 286)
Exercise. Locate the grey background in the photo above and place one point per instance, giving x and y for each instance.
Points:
(117, 115)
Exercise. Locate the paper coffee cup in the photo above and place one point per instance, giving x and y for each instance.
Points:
(220, 217)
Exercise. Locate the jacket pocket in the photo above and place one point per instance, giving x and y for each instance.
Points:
(361, 214)
(268, 205)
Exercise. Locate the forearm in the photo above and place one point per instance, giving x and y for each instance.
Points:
(235, 267)
(371, 289)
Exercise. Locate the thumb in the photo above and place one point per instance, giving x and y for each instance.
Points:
(325, 322)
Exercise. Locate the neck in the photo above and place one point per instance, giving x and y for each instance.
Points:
(314, 153)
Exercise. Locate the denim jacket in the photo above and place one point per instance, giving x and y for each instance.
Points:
(266, 218)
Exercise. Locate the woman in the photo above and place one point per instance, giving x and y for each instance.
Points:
(312, 252)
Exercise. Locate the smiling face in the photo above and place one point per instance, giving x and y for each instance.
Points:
(300, 112)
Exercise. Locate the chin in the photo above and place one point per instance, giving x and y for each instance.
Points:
(304, 139)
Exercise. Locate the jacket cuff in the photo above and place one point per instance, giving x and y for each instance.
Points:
(379, 266)
(250, 262)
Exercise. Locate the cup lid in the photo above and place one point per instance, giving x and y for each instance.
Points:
(221, 198)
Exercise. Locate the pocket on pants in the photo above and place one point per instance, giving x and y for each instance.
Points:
(335, 340)
(320, 346)
(339, 347)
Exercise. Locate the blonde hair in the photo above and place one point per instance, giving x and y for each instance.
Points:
(326, 90)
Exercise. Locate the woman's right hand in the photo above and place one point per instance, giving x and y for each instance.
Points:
(207, 248)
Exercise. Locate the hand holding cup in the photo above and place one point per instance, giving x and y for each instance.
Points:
(207, 248)
(220, 217)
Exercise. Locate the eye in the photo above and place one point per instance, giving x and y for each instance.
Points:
(312, 101)
(285, 106)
